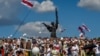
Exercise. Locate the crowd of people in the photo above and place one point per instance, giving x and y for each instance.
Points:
(49, 47)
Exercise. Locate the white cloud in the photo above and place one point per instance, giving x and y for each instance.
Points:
(35, 28)
(8, 12)
(44, 6)
(90, 4)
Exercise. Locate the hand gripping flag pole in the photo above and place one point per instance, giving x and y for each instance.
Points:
(21, 23)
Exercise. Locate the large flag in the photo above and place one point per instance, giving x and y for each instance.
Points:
(85, 28)
(27, 3)
(81, 30)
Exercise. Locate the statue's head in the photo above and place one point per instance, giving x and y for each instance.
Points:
(52, 23)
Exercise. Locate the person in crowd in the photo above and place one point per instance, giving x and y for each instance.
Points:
(55, 52)
(49, 49)
(97, 49)
(82, 52)
(89, 48)
(69, 50)
(75, 49)
(2, 50)
(28, 46)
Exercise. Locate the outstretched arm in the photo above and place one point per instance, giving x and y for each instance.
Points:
(45, 25)
(48, 27)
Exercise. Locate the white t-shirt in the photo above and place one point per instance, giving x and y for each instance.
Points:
(97, 50)
(49, 52)
(15, 52)
(75, 49)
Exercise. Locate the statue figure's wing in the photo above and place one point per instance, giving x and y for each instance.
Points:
(49, 28)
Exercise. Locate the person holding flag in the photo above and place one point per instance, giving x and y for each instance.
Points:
(82, 30)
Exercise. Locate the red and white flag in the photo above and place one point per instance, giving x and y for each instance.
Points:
(27, 3)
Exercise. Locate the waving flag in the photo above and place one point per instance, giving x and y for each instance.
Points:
(27, 3)
(85, 28)
(81, 30)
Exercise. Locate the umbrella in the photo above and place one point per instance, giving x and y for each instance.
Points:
(89, 46)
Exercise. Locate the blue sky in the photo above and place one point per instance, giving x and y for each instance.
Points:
(72, 13)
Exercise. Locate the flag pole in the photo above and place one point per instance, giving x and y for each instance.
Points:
(25, 17)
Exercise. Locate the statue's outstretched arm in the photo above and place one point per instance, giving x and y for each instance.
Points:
(45, 25)
(48, 27)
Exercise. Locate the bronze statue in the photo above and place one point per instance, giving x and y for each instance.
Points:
(53, 27)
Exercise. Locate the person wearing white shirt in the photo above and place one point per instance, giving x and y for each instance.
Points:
(75, 50)
(48, 51)
(97, 50)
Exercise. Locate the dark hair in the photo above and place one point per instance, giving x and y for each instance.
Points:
(19, 52)
(1, 47)
(50, 46)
